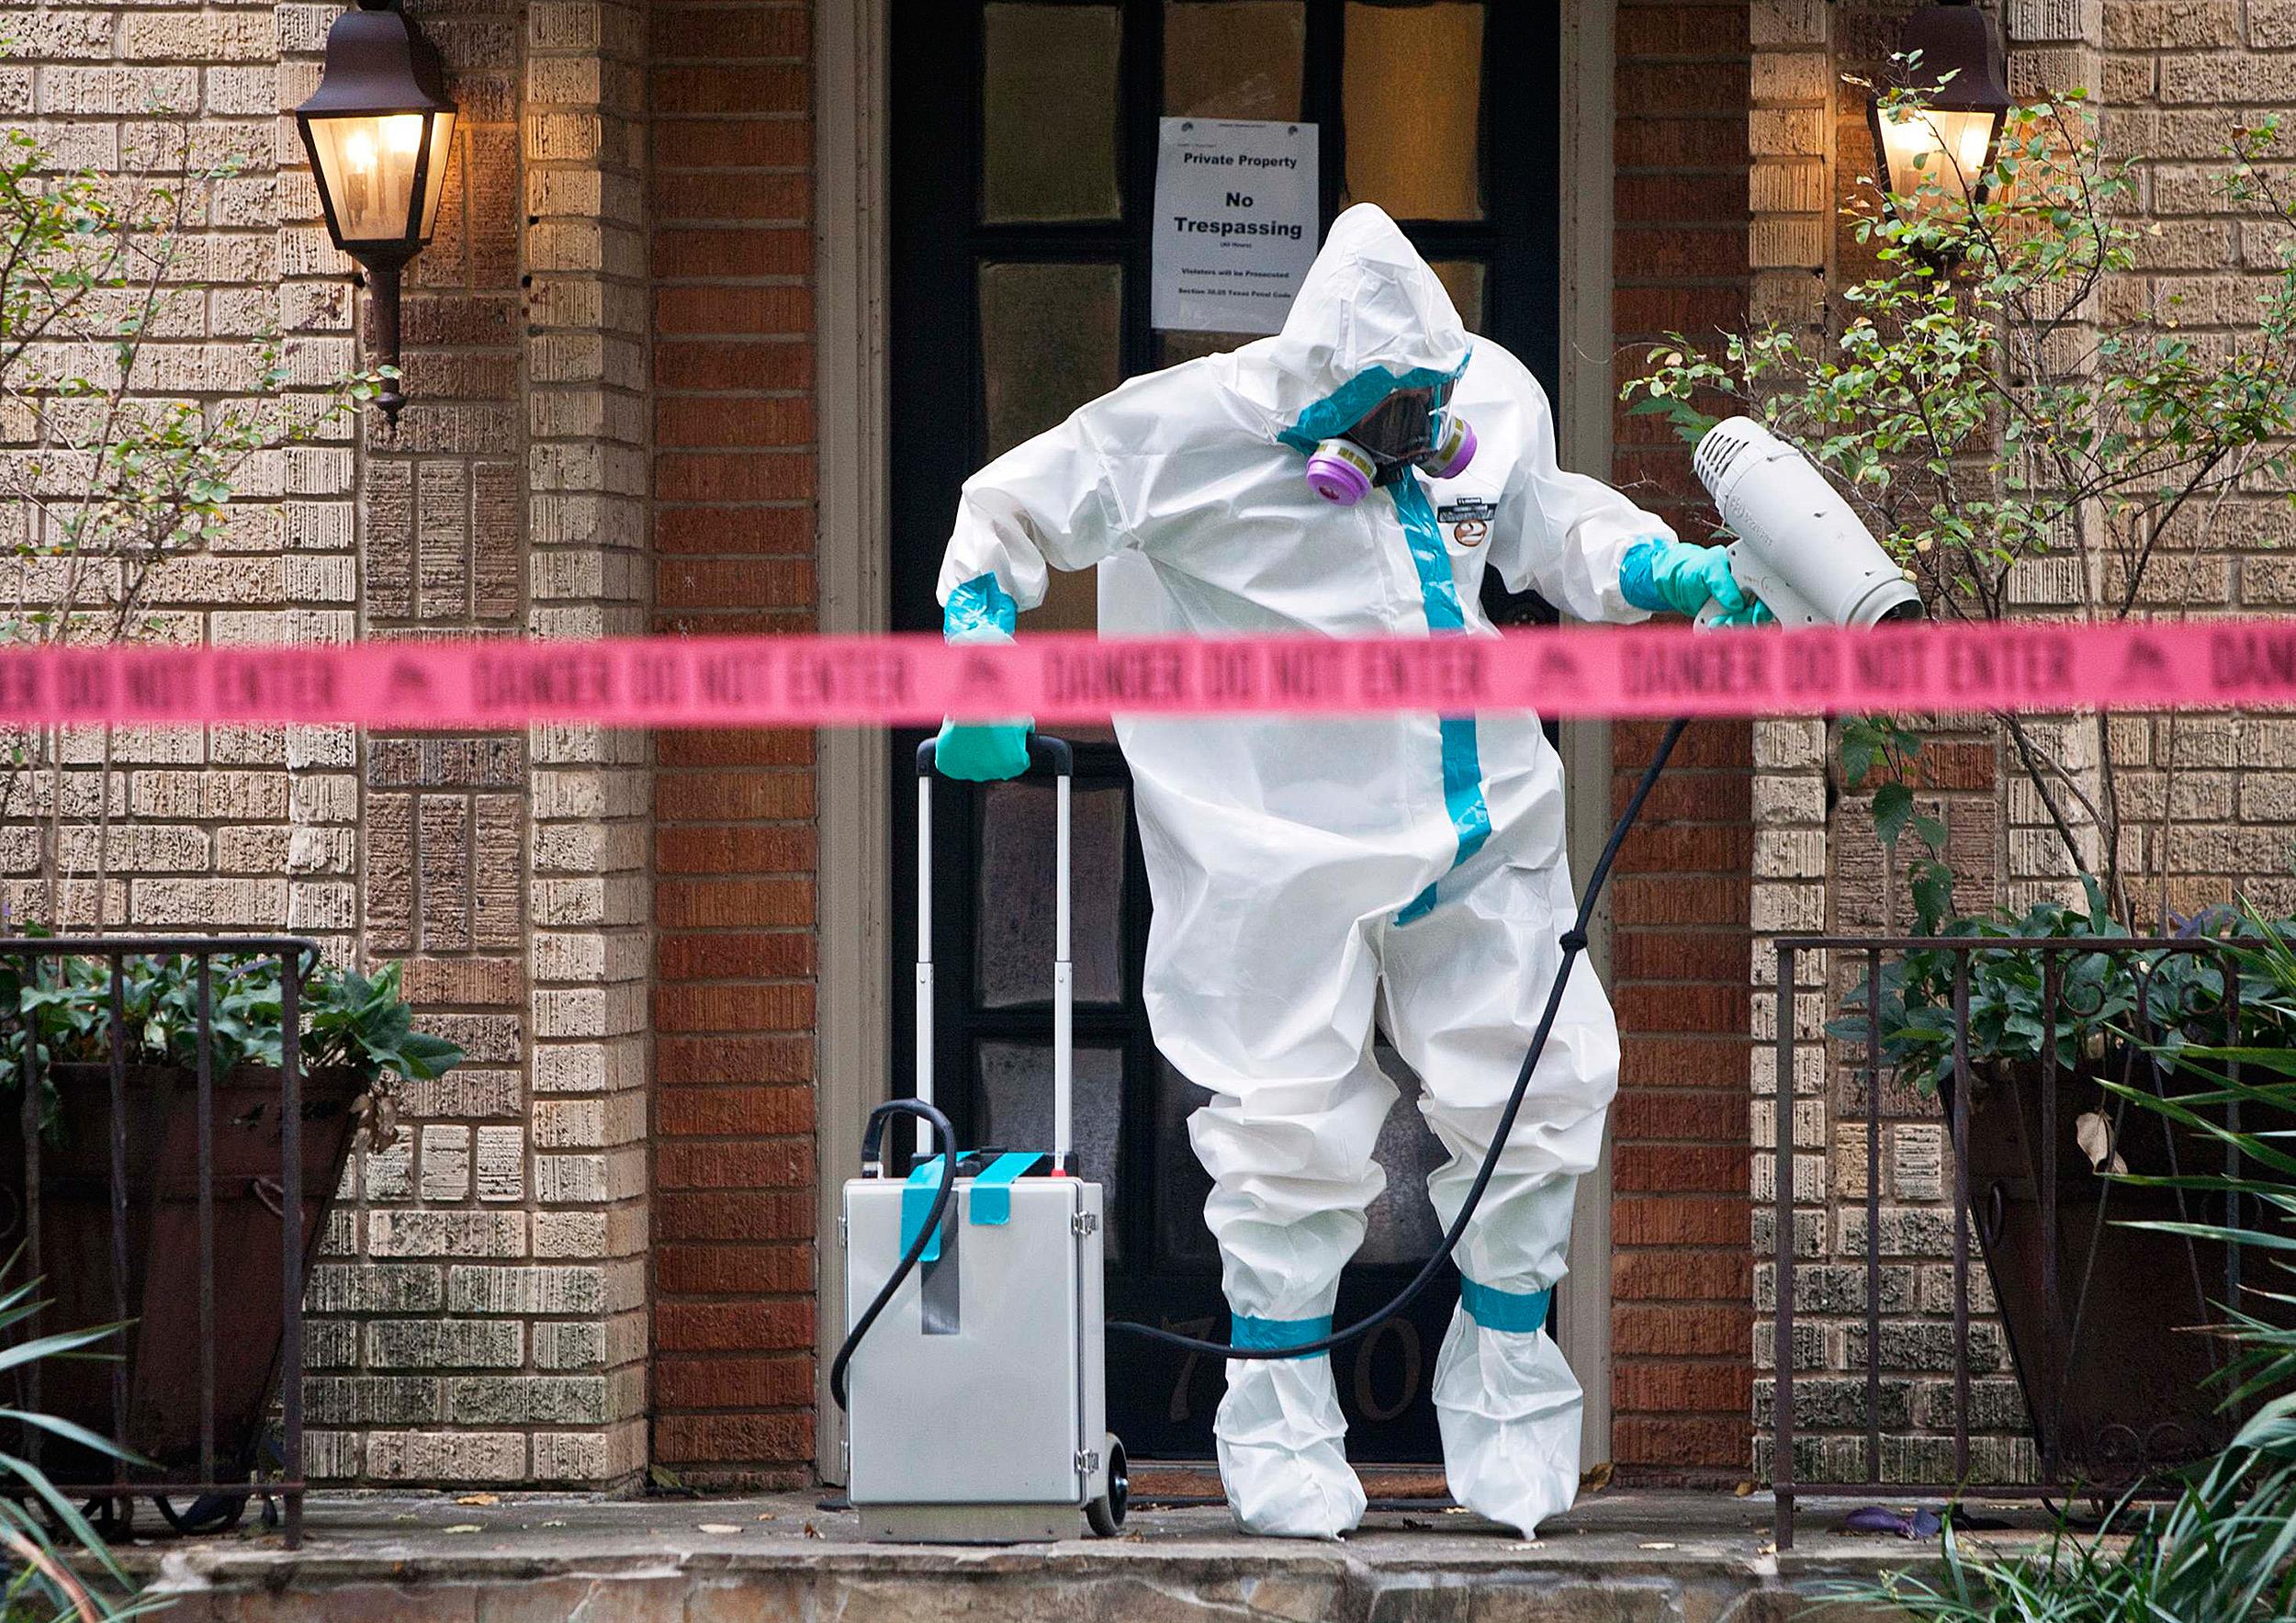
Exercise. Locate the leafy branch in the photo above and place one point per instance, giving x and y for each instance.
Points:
(2020, 447)
(110, 468)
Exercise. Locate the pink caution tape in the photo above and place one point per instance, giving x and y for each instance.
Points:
(875, 680)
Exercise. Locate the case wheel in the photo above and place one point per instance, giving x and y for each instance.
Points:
(1105, 1510)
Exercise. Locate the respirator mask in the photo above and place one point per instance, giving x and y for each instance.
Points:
(1411, 428)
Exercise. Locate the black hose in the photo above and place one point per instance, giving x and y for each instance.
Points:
(872, 1137)
(1573, 943)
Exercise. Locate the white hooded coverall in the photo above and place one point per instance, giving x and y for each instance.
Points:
(1306, 871)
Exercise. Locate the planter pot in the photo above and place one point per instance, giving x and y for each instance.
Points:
(160, 1227)
(2115, 1379)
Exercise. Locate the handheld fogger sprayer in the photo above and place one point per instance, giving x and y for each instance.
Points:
(1799, 547)
(1804, 552)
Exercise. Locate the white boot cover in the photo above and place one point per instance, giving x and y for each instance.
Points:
(1282, 1460)
(1509, 1409)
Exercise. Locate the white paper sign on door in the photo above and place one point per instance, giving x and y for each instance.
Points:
(1235, 225)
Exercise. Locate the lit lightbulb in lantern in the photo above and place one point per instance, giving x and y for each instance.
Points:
(360, 161)
(1936, 157)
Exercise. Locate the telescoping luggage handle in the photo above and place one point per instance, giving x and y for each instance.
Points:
(1055, 755)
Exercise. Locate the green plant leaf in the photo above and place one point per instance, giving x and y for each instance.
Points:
(1892, 809)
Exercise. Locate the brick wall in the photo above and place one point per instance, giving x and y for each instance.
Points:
(733, 853)
(2174, 80)
(1678, 901)
(475, 1314)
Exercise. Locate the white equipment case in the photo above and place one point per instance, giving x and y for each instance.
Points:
(976, 1402)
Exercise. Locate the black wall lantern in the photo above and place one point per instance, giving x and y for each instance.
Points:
(378, 129)
(1934, 158)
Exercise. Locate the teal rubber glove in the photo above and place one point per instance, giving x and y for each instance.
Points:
(1660, 574)
(980, 611)
(982, 752)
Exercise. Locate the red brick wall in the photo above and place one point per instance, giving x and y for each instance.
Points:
(1681, 1319)
(732, 252)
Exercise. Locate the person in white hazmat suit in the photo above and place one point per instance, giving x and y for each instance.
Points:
(1307, 872)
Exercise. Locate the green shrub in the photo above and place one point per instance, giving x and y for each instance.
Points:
(38, 1521)
(2098, 994)
(347, 1019)
(2223, 1548)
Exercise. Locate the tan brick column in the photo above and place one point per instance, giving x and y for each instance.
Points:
(2053, 45)
(1821, 867)
(588, 951)
(1789, 244)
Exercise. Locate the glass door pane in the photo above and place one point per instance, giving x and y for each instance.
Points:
(1463, 280)
(1050, 107)
(1050, 341)
(1012, 1109)
(1401, 1226)
(1234, 58)
(1012, 946)
(1182, 1240)
(1414, 109)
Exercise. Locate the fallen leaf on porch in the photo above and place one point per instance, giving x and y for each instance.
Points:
(1744, 1490)
(479, 1499)
(554, 1524)
(465, 1527)
(1595, 1478)
(1532, 1544)
(2094, 1135)
(767, 1516)
(1658, 1544)
(718, 1527)
(1457, 1510)
(812, 1531)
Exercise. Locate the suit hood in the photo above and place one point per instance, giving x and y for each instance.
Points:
(1371, 316)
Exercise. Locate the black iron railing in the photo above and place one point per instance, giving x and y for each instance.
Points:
(2082, 1366)
(145, 1374)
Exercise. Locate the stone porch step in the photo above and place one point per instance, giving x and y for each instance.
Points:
(1621, 1557)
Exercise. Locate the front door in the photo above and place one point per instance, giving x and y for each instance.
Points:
(1024, 152)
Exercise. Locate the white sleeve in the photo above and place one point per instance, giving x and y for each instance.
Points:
(1563, 534)
(1045, 504)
